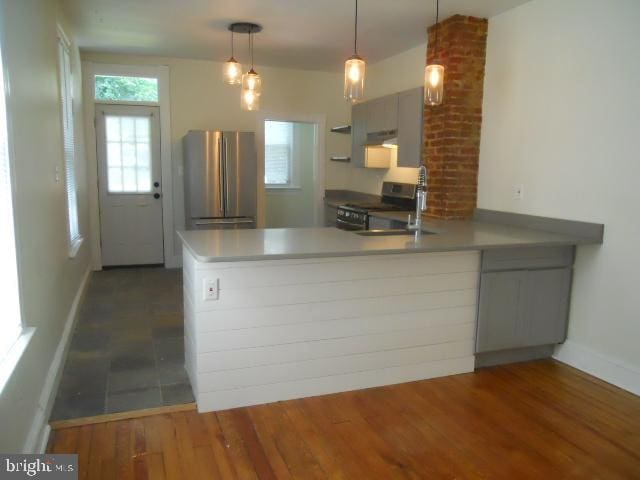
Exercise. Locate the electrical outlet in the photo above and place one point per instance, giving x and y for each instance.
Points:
(211, 289)
(518, 191)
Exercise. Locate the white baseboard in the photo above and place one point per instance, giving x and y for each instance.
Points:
(612, 371)
(39, 432)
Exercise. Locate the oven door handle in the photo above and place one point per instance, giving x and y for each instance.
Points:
(348, 226)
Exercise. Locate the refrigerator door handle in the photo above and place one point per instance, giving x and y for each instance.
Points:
(224, 221)
(220, 175)
(226, 175)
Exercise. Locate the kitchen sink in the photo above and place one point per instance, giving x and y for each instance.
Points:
(390, 232)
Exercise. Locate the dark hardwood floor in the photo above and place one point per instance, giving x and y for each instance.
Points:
(535, 420)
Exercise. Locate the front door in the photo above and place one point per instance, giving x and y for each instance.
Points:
(129, 173)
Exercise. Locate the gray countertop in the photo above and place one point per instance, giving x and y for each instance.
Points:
(282, 243)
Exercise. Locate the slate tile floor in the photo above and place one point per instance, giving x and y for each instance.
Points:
(127, 350)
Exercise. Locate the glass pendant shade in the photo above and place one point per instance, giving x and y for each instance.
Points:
(232, 72)
(249, 100)
(354, 70)
(433, 84)
(252, 81)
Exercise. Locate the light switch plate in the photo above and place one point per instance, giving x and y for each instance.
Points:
(211, 289)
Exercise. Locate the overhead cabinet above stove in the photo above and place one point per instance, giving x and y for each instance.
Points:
(398, 116)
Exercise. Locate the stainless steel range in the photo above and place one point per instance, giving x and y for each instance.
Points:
(396, 197)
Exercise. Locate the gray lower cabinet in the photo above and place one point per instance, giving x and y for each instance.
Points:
(526, 306)
(501, 311)
(547, 309)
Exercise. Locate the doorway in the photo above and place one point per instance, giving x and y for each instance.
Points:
(290, 172)
(129, 184)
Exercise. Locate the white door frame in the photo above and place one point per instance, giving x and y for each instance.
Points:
(161, 72)
(320, 122)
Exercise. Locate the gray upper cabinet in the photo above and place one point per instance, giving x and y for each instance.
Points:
(524, 298)
(401, 112)
(382, 114)
(358, 133)
(410, 110)
(375, 115)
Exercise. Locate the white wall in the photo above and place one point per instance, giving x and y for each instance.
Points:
(49, 278)
(294, 207)
(394, 74)
(199, 100)
(561, 116)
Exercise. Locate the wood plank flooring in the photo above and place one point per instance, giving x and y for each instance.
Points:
(534, 420)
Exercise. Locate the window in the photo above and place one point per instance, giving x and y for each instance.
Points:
(11, 323)
(128, 154)
(126, 89)
(278, 152)
(66, 98)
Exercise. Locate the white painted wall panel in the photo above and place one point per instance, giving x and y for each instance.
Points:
(241, 358)
(321, 367)
(256, 337)
(329, 291)
(288, 328)
(336, 269)
(336, 383)
(215, 320)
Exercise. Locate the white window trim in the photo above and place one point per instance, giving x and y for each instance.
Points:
(9, 359)
(294, 166)
(74, 241)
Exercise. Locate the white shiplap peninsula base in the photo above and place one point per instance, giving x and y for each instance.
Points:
(292, 328)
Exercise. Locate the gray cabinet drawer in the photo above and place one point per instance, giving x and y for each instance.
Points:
(527, 258)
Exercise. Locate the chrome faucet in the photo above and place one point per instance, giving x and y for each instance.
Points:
(421, 201)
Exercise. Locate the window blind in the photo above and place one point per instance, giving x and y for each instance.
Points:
(10, 321)
(278, 139)
(66, 97)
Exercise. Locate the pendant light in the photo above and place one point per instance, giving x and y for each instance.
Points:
(434, 73)
(231, 69)
(354, 69)
(251, 83)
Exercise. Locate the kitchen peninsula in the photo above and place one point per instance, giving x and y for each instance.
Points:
(274, 314)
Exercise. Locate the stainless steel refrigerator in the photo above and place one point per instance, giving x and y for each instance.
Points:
(220, 180)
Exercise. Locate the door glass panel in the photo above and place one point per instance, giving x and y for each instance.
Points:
(126, 89)
(128, 154)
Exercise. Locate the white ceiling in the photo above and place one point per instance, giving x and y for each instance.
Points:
(306, 34)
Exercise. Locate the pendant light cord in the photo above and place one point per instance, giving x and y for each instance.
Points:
(251, 48)
(231, 43)
(355, 35)
(437, 26)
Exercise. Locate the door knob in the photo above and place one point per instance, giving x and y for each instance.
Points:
(156, 195)
(156, 184)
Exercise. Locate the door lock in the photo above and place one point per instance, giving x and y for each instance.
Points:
(156, 195)
(156, 184)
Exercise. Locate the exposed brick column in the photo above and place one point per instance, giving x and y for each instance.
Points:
(452, 130)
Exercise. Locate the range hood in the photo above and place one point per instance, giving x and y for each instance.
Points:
(386, 139)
